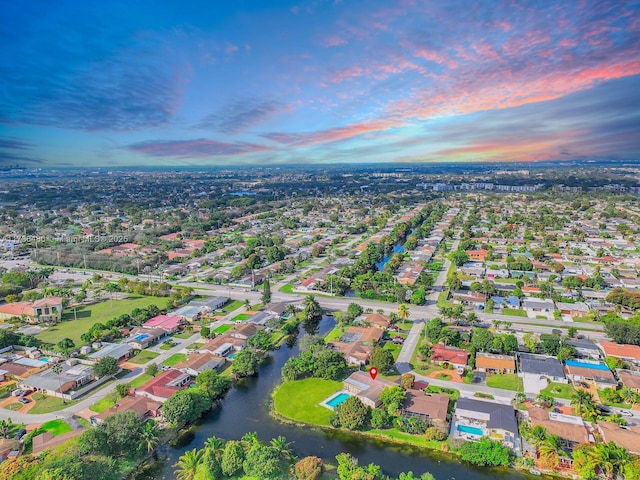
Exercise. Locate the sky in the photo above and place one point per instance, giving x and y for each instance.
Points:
(243, 82)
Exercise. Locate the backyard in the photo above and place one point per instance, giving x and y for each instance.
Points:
(75, 324)
(559, 390)
(299, 399)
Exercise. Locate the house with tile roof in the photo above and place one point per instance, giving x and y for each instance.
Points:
(197, 363)
(630, 353)
(42, 310)
(366, 388)
(169, 323)
(164, 385)
(571, 429)
(430, 407)
(630, 379)
(442, 354)
(142, 406)
(493, 363)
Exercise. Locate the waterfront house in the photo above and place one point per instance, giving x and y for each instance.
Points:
(626, 436)
(164, 385)
(243, 330)
(46, 440)
(369, 335)
(223, 345)
(142, 406)
(366, 388)
(355, 353)
(538, 370)
(492, 363)
(197, 363)
(571, 429)
(430, 407)
(475, 419)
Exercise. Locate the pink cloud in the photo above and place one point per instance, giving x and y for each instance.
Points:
(333, 41)
(230, 49)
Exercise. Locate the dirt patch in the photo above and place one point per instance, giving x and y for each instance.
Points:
(455, 376)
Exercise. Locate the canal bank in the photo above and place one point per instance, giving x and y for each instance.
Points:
(246, 408)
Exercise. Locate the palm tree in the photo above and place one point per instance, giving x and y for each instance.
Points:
(150, 435)
(472, 318)
(403, 311)
(5, 427)
(582, 401)
(536, 435)
(249, 440)
(281, 448)
(57, 369)
(628, 396)
(291, 309)
(215, 445)
(550, 448)
(611, 458)
(188, 464)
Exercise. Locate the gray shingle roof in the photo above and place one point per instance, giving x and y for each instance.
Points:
(500, 416)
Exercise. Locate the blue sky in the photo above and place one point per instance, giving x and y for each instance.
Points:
(258, 82)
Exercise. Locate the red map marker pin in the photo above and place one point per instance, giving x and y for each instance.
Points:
(373, 371)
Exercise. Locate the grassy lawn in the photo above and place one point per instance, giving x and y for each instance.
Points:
(46, 404)
(5, 391)
(559, 390)
(167, 345)
(241, 317)
(140, 380)
(451, 392)
(514, 312)
(56, 427)
(184, 335)
(142, 356)
(443, 376)
(90, 314)
(393, 348)
(334, 334)
(231, 306)
(288, 288)
(222, 328)
(195, 346)
(508, 381)
(175, 358)
(299, 399)
(405, 325)
(102, 405)
(14, 407)
(442, 299)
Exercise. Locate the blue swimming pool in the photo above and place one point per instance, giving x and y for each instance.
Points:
(141, 337)
(594, 366)
(337, 400)
(232, 356)
(472, 430)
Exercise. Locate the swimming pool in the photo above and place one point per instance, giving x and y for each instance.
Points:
(594, 366)
(471, 430)
(232, 356)
(141, 337)
(337, 400)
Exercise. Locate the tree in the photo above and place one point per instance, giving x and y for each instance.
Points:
(382, 359)
(550, 344)
(205, 332)
(550, 450)
(249, 441)
(232, 458)
(57, 369)
(213, 384)
(312, 313)
(566, 352)
(261, 462)
(583, 403)
(309, 468)
(572, 332)
(65, 345)
(152, 369)
(150, 435)
(266, 292)
(188, 464)
(186, 406)
(281, 447)
(530, 341)
(261, 341)
(610, 458)
(410, 476)
(403, 311)
(407, 380)
(5, 427)
(105, 367)
(459, 257)
(584, 461)
(486, 452)
(122, 389)
(380, 418)
(245, 364)
(354, 310)
(119, 435)
(352, 414)
(392, 399)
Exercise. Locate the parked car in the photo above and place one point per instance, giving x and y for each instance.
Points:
(25, 393)
(21, 433)
(24, 400)
(398, 340)
(625, 413)
(17, 392)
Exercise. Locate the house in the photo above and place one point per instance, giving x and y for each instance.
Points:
(8, 445)
(377, 320)
(536, 305)
(119, 351)
(144, 407)
(475, 419)
(512, 302)
(490, 363)
(629, 379)
(210, 304)
(189, 313)
(169, 323)
(431, 407)
(3, 375)
(366, 388)
(164, 385)
(355, 353)
(47, 440)
(480, 255)
(22, 367)
(538, 370)
(142, 337)
(277, 310)
(243, 330)
(469, 298)
(197, 363)
(578, 309)
(596, 373)
(585, 348)
(369, 335)
(71, 377)
(307, 285)
(630, 353)
(626, 437)
(571, 429)
(223, 345)
(260, 318)
(442, 354)
(42, 310)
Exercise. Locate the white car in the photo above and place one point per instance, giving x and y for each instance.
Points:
(625, 413)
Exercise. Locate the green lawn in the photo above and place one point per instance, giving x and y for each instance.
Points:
(508, 381)
(288, 288)
(56, 427)
(46, 404)
(142, 356)
(334, 335)
(514, 312)
(299, 399)
(241, 317)
(559, 390)
(405, 325)
(195, 345)
(184, 335)
(167, 345)
(14, 406)
(451, 392)
(231, 306)
(393, 348)
(140, 380)
(175, 358)
(222, 328)
(87, 315)
(102, 405)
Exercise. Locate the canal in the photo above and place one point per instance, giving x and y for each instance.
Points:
(246, 409)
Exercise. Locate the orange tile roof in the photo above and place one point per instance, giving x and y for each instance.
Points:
(495, 361)
(621, 350)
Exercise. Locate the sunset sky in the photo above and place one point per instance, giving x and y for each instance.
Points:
(259, 82)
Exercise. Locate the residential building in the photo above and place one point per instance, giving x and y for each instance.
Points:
(366, 388)
(475, 419)
(355, 353)
(243, 330)
(467, 297)
(210, 304)
(169, 323)
(626, 437)
(142, 406)
(630, 353)
(596, 373)
(143, 337)
(260, 318)
(119, 351)
(377, 320)
(578, 309)
(8, 445)
(535, 306)
(443, 354)
(538, 370)
(46, 440)
(42, 310)
(630, 379)
(371, 335)
(71, 377)
(491, 363)
(164, 385)
(585, 348)
(197, 363)
(223, 345)
(190, 313)
(571, 429)
(431, 407)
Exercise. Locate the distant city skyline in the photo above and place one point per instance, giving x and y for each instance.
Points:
(256, 82)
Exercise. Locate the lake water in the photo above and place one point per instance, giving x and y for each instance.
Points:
(246, 409)
(397, 249)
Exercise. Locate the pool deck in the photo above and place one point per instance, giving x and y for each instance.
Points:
(325, 402)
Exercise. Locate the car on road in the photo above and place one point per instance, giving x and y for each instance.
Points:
(24, 400)
(625, 413)
(556, 331)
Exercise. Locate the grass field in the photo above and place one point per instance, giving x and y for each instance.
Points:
(140, 380)
(508, 381)
(241, 317)
(175, 358)
(56, 427)
(451, 392)
(102, 405)
(288, 288)
(514, 312)
(334, 334)
(231, 306)
(14, 406)
(299, 399)
(393, 348)
(559, 390)
(222, 328)
(90, 314)
(143, 356)
(195, 346)
(184, 335)
(46, 404)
